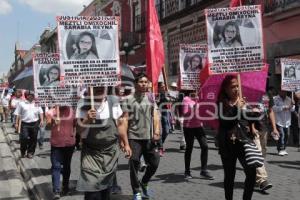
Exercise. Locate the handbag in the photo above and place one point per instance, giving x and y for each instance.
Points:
(253, 156)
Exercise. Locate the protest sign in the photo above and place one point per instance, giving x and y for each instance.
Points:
(192, 60)
(235, 41)
(47, 86)
(290, 74)
(89, 50)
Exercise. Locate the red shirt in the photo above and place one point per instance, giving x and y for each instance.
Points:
(62, 135)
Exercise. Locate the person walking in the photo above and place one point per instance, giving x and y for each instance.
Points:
(140, 112)
(100, 128)
(232, 136)
(31, 118)
(62, 142)
(283, 107)
(163, 103)
(193, 128)
(261, 129)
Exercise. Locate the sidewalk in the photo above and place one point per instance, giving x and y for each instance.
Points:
(11, 182)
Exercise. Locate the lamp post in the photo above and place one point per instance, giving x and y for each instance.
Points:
(126, 51)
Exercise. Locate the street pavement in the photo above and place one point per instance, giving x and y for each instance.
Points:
(168, 183)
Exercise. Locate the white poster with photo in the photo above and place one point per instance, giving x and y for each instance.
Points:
(235, 40)
(89, 50)
(290, 74)
(47, 86)
(192, 59)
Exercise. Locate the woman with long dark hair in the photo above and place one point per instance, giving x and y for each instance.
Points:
(231, 141)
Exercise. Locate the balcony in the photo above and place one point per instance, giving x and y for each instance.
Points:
(276, 6)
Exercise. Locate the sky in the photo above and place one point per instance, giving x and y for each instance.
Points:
(25, 21)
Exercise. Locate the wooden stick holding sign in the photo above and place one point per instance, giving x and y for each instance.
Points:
(92, 100)
(240, 85)
(57, 118)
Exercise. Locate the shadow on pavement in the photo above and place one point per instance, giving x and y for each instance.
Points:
(171, 178)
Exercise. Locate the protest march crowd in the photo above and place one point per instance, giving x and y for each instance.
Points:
(89, 110)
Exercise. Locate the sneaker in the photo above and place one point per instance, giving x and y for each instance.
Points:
(41, 147)
(137, 196)
(265, 186)
(281, 153)
(56, 195)
(187, 175)
(284, 152)
(206, 175)
(145, 190)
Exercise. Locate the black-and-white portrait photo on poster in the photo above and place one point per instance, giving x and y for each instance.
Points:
(48, 87)
(89, 50)
(192, 60)
(235, 41)
(89, 45)
(290, 74)
(49, 75)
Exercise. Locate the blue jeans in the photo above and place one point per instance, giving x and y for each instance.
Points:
(283, 137)
(41, 135)
(61, 156)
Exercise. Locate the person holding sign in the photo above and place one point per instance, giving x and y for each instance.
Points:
(230, 36)
(52, 76)
(62, 146)
(101, 124)
(232, 136)
(85, 47)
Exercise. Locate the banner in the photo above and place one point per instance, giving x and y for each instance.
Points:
(89, 50)
(235, 41)
(47, 85)
(290, 74)
(192, 59)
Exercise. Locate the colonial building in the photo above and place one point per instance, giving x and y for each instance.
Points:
(18, 63)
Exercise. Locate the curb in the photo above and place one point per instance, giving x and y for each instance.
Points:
(12, 175)
(32, 180)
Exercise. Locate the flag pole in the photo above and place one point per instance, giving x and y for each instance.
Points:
(165, 78)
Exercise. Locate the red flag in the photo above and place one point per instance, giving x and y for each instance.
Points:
(155, 55)
(235, 3)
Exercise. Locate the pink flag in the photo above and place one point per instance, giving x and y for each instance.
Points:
(155, 56)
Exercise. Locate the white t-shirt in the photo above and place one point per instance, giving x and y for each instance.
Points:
(28, 112)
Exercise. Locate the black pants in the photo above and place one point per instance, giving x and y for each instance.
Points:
(151, 156)
(28, 137)
(229, 165)
(190, 134)
(99, 195)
